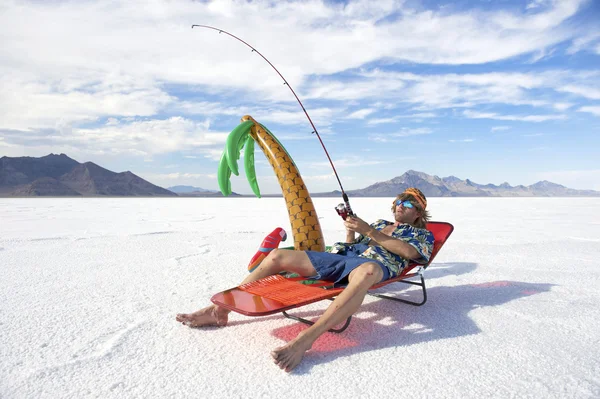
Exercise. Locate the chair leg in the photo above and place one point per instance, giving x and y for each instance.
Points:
(310, 323)
(414, 303)
(305, 321)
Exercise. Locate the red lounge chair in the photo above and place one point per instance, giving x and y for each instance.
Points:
(277, 293)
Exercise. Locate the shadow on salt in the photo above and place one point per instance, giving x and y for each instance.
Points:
(384, 324)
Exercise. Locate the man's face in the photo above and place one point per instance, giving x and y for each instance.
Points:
(404, 213)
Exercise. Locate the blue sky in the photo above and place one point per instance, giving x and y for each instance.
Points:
(492, 91)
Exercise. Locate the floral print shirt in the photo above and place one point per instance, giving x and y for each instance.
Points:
(420, 239)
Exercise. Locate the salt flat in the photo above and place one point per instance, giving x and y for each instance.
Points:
(89, 289)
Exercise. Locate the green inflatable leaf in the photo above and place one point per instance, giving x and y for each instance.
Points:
(224, 175)
(234, 144)
(249, 166)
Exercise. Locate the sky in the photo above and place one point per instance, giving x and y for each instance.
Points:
(492, 91)
(96, 317)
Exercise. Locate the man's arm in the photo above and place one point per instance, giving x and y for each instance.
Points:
(392, 244)
(350, 237)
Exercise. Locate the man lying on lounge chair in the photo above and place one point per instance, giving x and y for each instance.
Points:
(380, 252)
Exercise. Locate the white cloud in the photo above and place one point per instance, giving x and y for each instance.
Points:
(422, 115)
(211, 108)
(521, 118)
(323, 116)
(380, 121)
(535, 4)
(348, 162)
(404, 132)
(137, 138)
(361, 113)
(434, 91)
(5, 144)
(584, 91)
(591, 109)
(562, 106)
(415, 116)
(499, 128)
(26, 104)
(461, 140)
(213, 153)
(326, 177)
(590, 40)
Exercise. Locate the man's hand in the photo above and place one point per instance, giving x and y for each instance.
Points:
(356, 224)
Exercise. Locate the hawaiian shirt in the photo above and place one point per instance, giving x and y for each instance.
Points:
(420, 239)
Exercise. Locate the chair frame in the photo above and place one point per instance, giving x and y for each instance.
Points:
(349, 319)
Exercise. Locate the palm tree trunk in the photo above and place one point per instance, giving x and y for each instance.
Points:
(303, 216)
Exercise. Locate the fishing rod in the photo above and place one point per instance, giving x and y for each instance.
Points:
(341, 212)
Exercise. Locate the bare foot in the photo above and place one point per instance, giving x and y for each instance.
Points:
(287, 357)
(209, 316)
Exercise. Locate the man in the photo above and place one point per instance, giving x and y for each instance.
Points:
(380, 252)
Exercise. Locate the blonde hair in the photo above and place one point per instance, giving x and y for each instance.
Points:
(424, 215)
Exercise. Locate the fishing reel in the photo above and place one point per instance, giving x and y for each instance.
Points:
(344, 211)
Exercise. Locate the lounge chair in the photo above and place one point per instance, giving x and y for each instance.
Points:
(278, 293)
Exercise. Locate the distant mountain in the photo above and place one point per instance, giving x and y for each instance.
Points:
(433, 186)
(45, 186)
(189, 190)
(20, 171)
(59, 175)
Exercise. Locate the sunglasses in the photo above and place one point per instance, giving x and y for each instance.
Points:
(405, 204)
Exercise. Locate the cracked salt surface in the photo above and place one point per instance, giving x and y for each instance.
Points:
(88, 300)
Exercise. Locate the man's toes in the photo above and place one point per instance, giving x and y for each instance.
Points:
(285, 362)
(275, 354)
(279, 361)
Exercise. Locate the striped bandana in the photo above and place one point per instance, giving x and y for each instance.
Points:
(418, 195)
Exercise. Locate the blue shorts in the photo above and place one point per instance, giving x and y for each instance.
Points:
(336, 267)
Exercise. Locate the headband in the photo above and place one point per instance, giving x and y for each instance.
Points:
(415, 192)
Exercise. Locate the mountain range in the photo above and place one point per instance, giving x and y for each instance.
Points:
(434, 186)
(59, 175)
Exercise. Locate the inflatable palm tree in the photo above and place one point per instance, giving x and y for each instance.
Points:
(306, 229)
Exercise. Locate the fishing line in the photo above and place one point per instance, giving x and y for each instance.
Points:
(285, 82)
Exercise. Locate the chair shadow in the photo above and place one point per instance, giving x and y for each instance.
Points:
(443, 269)
(384, 323)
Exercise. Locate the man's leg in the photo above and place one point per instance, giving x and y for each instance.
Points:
(278, 260)
(345, 305)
